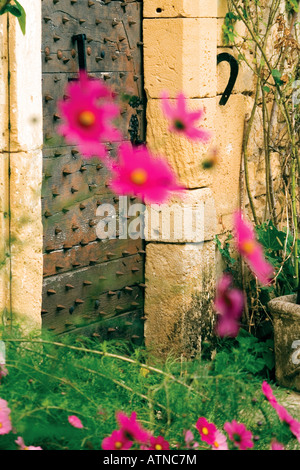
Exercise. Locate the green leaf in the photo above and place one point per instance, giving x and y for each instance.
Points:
(22, 18)
(276, 74)
(18, 11)
(13, 9)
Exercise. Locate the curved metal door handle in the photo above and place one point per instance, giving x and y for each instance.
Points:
(234, 71)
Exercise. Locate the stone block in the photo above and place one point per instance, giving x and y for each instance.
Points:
(26, 237)
(230, 121)
(188, 218)
(180, 9)
(180, 55)
(222, 8)
(26, 87)
(185, 157)
(179, 297)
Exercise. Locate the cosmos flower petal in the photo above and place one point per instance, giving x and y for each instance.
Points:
(139, 173)
(181, 120)
(251, 250)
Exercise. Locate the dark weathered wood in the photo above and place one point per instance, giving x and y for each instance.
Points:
(60, 261)
(128, 326)
(92, 291)
(88, 281)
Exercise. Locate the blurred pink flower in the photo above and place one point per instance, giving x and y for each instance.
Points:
(4, 406)
(207, 430)
(239, 435)
(285, 417)
(141, 174)
(251, 250)
(87, 113)
(132, 429)
(189, 439)
(281, 411)
(268, 392)
(220, 442)
(22, 446)
(75, 421)
(5, 422)
(158, 443)
(295, 428)
(3, 371)
(276, 445)
(183, 121)
(229, 304)
(116, 441)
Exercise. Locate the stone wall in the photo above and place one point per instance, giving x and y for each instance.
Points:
(21, 168)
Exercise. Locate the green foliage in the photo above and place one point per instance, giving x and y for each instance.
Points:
(229, 33)
(277, 74)
(292, 6)
(246, 354)
(16, 9)
(278, 249)
(50, 380)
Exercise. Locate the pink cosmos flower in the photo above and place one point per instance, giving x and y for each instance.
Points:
(283, 414)
(229, 304)
(75, 421)
(295, 428)
(141, 174)
(251, 250)
(132, 429)
(220, 442)
(281, 411)
(22, 446)
(207, 430)
(268, 392)
(238, 433)
(189, 439)
(3, 371)
(158, 443)
(5, 422)
(116, 441)
(183, 121)
(4, 406)
(88, 113)
(276, 445)
(285, 417)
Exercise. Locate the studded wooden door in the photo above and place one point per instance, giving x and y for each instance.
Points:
(91, 286)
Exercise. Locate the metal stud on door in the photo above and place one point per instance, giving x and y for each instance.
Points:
(90, 285)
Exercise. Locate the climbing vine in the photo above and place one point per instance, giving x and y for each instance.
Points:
(269, 47)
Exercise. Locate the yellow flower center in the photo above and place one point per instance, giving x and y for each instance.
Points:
(205, 431)
(216, 444)
(0, 425)
(87, 118)
(118, 445)
(139, 176)
(158, 447)
(25, 448)
(248, 247)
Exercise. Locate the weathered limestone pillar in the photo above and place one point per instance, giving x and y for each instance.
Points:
(22, 146)
(180, 40)
(4, 178)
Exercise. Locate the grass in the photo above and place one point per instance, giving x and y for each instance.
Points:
(50, 379)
